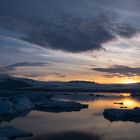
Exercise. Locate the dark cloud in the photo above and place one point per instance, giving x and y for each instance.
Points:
(129, 5)
(14, 66)
(69, 32)
(72, 34)
(11, 69)
(35, 7)
(119, 71)
(57, 74)
(34, 75)
(72, 135)
(73, 26)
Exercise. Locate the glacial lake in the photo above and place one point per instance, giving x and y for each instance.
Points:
(87, 124)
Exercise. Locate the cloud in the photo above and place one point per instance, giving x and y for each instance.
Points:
(75, 28)
(69, 136)
(71, 33)
(44, 74)
(14, 66)
(119, 71)
(57, 74)
(32, 73)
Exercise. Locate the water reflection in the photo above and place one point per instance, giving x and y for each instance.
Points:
(101, 104)
(131, 103)
(45, 125)
(129, 111)
(125, 94)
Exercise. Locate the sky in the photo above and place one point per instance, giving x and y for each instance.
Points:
(64, 40)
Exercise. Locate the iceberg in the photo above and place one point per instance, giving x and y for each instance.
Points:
(6, 107)
(10, 132)
(114, 114)
(60, 106)
(23, 104)
(12, 107)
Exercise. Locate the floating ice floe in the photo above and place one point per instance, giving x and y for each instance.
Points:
(60, 106)
(9, 132)
(23, 104)
(11, 107)
(114, 114)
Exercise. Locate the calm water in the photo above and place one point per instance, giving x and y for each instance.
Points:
(88, 124)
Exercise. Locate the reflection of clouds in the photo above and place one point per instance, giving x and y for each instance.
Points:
(72, 135)
(98, 114)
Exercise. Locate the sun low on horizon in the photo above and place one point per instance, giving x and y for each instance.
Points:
(98, 80)
(129, 81)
